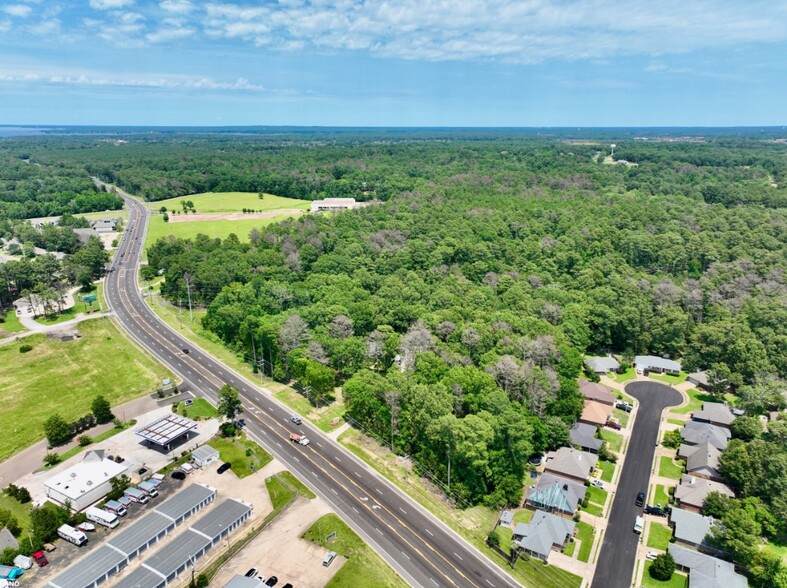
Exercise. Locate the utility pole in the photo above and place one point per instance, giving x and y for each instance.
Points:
(188, 291)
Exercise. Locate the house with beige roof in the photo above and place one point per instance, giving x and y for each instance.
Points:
(597, 392)
(692, 491)
(595, 413)
(571, 463)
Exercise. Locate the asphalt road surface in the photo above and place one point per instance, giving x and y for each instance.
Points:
(619, 549)
(422, 549)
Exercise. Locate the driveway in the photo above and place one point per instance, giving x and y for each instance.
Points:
(619, 550)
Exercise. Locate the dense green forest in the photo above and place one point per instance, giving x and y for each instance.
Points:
(454, 310)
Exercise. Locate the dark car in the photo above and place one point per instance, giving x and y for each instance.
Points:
(251, 573)
(296, 419)
(287, 585)
(185, 350)
(178, 475)
(624, 406)
(223, 467)
(656, 510)
(272, 581)
(142, 471)
(640, 499)
(613, 425)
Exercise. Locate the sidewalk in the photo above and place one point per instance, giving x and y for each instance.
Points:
(32, 458)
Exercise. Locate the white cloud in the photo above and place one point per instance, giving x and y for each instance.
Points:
(530, 31)
(110, 4)
(154, 81)
(169, 34)
(177, 6)
(20, 10)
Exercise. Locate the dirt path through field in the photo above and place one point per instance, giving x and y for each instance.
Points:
(213, 216)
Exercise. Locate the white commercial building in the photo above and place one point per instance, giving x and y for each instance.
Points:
(85, 483)
(204, 455)
(331, 204)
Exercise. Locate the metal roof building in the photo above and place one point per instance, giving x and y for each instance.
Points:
(120, 549)
(184, 550)
(94, 569)
(166, 429)
(187, 502)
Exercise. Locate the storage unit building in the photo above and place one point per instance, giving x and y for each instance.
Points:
(94, 569)
(187, 502)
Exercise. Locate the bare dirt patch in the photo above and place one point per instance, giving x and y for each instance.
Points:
(214, 216)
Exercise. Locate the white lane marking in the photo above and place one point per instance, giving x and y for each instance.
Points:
(434, 582)
(334, 491)
(430, 533)
(407, 556)
(296, 459)
(378, 530)
(319, 444)
(357, 474)
(356, 510)
(380, 492)
(403, 510)
(339, 460)
(315, 474)
(488, 582)
(459, 556)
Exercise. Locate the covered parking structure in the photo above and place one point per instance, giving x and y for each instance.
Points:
(183, 551)
(166, 430)
(119, 550)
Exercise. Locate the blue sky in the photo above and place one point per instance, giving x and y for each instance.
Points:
(394, 62)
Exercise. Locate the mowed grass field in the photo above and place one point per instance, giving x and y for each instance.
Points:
(63, 378)
(218, 203)
(230, 202)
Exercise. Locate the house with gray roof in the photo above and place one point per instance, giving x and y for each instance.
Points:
(602, 365)
(571, 463)
(714, 413)
(7, 539)
(690, 528)
(584, 436)
(692, 491)
(556, 494)
(657, 364)
(543, 533)
(706, 571)
(597, 392)
(702, 460)
(697, 433)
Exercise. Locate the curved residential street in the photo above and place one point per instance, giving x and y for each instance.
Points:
(619, 549)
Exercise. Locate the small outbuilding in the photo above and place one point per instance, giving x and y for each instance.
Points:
(204, 455)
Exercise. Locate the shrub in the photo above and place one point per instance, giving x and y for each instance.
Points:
(228, 430)
(85, 440)
(52, 459)
(493, 539)
(663, 567)
(25, 348)
(20, 494)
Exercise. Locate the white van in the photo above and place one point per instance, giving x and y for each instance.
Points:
(639, 524)
(102, 517)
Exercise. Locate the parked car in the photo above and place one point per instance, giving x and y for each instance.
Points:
(656, 510)
(640, 499)
(272, 581)
(296, 419)
(639, 523)
(86, 527)
(224, 467)
(613, 425)
(40, 559)
(597, 483)
(178, 475)
(652, 555)
(329, 558)
(251, 573)
(624, 406)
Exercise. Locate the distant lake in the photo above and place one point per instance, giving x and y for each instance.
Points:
(21, 131)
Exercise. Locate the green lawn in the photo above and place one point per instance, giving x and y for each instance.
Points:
(536, 574)
(321, 417)
(66, 315)
(230, 202)
(363, 567)
(506, 534)
(64, 377)
(198, 409)
(669, 379)
(585, 534)
(234, 451)
(20, 511)
(678, 422)
(607, 470)
(283, 487)
(97, 439)
(776, 548)
(678, 580)
(523, 515)
(659, 536)
(212, 228)
(593, 509)
(10, 322)
(596, 495)
(614, 440)
(621, 416)
(696, 398)
(668, 468)
(629, 374)
(660, 496)
(569, 549)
